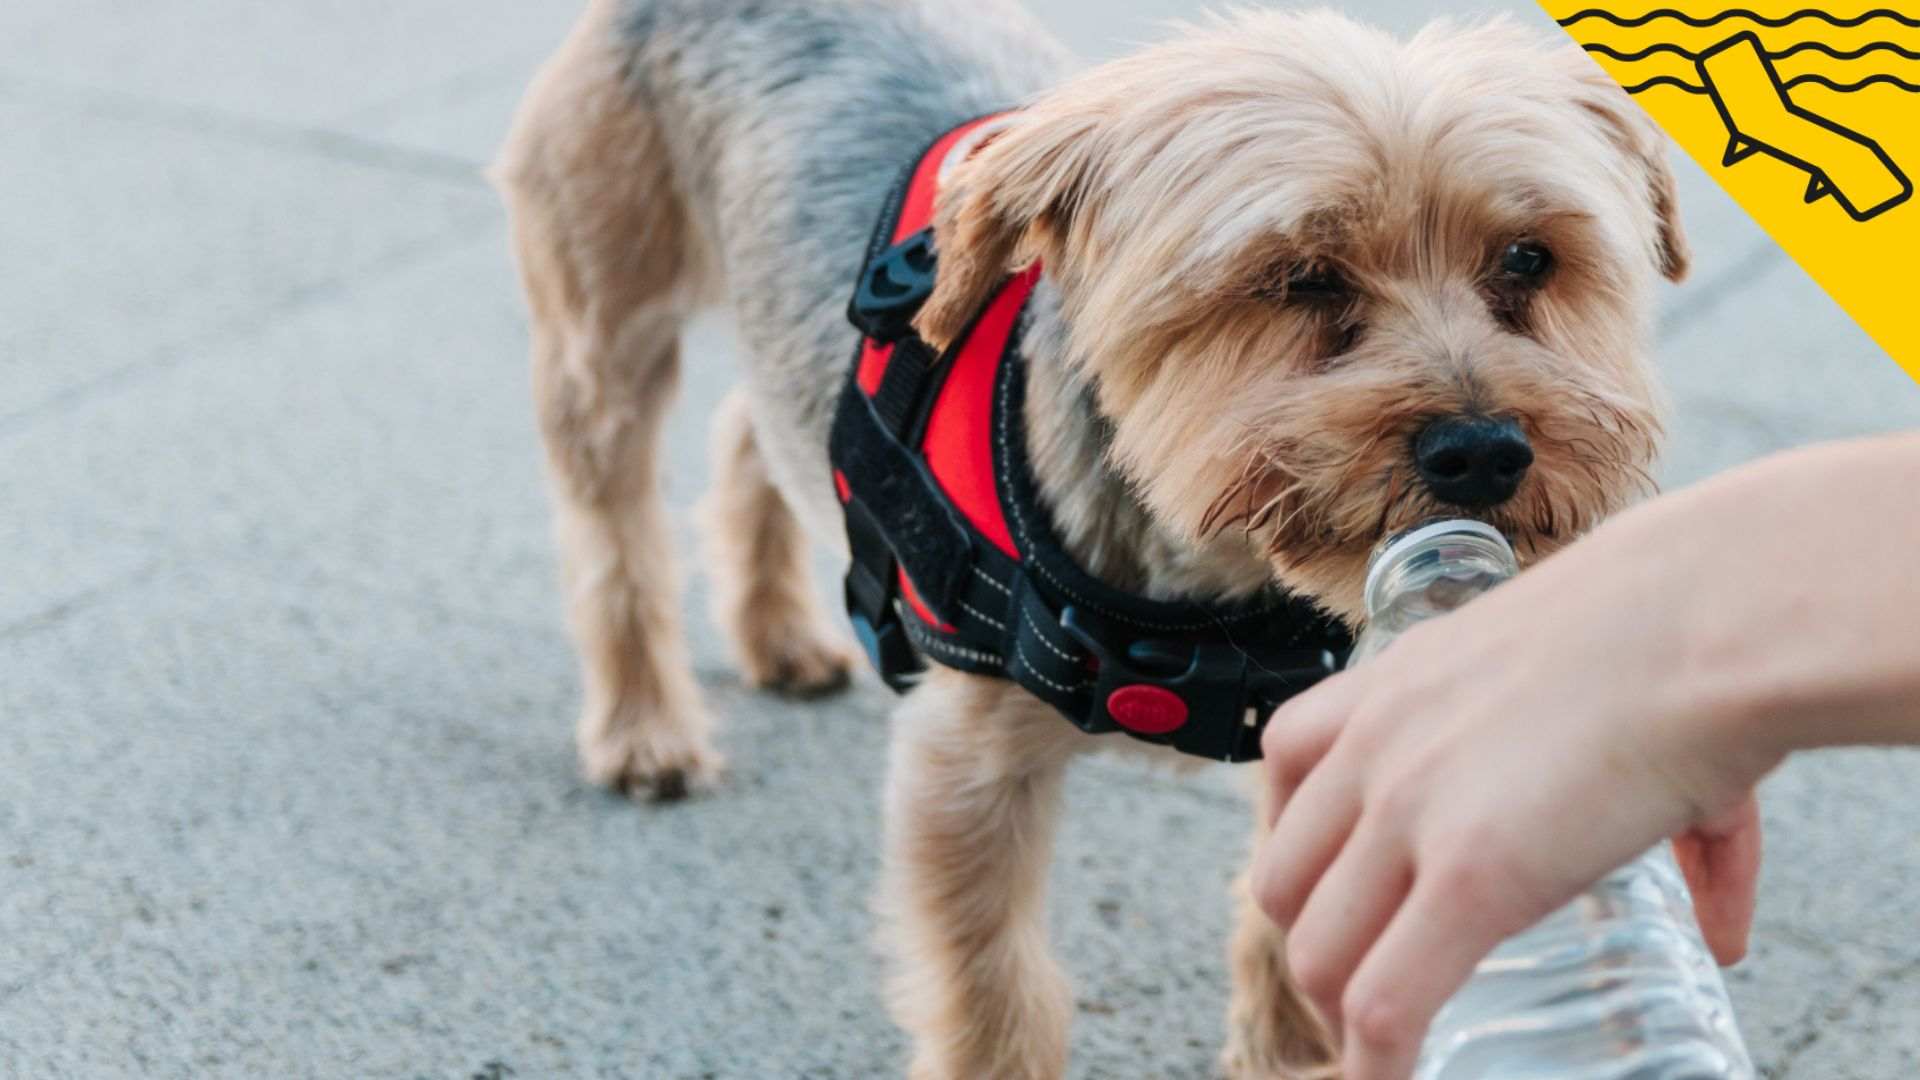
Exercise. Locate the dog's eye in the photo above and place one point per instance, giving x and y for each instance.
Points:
(1316, 283)
(1525, 263)
(1349, 335)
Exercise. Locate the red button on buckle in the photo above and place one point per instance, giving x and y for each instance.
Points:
(1149, 710)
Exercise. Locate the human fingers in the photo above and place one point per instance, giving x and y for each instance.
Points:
(1345, 912)
(1429, 948)
(1299, 735)
(1306, 837)
(1721, 862)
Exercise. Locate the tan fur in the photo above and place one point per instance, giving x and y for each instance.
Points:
(972, 794)
(1195, 428)
(586, 183)
(763, 593)
(1271, 1029)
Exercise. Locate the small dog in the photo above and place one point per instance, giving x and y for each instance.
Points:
(1305, 285)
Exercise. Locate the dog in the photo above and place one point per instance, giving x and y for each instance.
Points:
(1305, 285)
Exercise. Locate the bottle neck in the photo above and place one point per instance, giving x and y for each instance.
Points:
(1427, 572)
(1444, 564)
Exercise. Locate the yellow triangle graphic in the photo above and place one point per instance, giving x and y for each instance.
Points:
(1809, 117)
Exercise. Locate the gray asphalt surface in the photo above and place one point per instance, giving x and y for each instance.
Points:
(286, 780)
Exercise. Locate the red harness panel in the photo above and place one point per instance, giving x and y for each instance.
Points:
(958, 445)
(959, 442)
(916, 213)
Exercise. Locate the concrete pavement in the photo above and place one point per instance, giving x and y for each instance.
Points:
(286, 782)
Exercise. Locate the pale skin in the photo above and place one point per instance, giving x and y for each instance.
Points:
(1492, 764)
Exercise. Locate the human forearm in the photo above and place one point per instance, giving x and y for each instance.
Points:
(1799, 595)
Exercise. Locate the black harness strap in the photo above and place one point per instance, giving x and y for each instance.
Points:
(1201, 678)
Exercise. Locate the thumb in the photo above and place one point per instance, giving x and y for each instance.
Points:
(1720, 858)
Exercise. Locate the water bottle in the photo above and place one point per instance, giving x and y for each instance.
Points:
(1618, 984)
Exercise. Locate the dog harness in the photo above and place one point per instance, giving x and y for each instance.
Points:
(955, 560)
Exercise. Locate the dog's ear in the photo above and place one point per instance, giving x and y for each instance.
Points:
(1013, 202)
(1644, 146)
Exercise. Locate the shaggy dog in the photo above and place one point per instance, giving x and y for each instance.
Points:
(1281, 253)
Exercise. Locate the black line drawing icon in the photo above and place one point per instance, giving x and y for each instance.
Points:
(1839, 161)
(1795, 50)
(1739, 75)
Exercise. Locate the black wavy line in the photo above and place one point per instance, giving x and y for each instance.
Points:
(1798, 80)
(1666, 80)
(1805, 46)
(1608, 51)
(1847, 88)
(1739, 13)
(1815, 46)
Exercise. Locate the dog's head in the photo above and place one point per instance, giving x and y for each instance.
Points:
(1328, 284)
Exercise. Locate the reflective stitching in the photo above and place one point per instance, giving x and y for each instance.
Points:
(1035, 672)
(924, 639)
(1019, 519)
(1042, 639)
(988, 578)
(984, 617)
(961, 651)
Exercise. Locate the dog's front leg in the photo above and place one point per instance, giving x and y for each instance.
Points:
(972, 794)
(1272, 1033)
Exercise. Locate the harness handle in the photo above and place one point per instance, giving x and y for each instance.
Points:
(893, 287)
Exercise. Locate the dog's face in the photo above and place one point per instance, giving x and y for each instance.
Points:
(1328, 284)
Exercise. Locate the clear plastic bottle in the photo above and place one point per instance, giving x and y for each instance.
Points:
(1617, 985)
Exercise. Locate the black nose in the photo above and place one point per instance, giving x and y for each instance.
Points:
(1472, 461)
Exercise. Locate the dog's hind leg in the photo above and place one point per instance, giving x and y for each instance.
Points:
(611, 270)
(972, 794)
(763, 595)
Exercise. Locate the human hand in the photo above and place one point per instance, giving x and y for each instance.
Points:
(1720, 858)
(1477, 775)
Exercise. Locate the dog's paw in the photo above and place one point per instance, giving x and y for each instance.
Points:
(803, 665)
(651, 761)
(1242, 1060)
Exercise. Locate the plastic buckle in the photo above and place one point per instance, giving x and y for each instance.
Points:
(1206, 698)
(887, 647)
(892, 288)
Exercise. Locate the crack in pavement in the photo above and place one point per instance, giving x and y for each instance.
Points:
(60, 610)
(204, 120)
(169, 356)
(1870, 989)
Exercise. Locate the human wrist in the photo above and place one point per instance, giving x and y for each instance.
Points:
(1797, 637)
(1716, 704)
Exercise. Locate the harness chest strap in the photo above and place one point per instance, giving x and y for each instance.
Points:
(954, 559)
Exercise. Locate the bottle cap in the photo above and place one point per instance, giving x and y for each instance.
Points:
(1423, 534)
